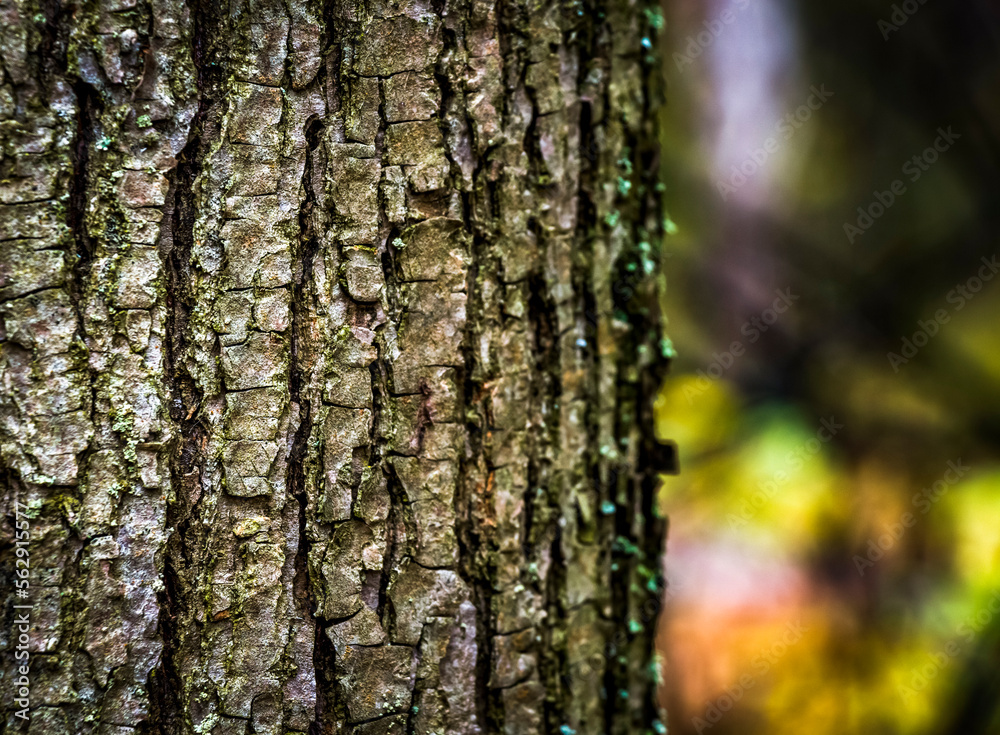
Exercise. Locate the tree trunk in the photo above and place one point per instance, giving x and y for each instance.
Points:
(329, 338)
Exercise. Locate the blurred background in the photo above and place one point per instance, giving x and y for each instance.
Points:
(833, 559)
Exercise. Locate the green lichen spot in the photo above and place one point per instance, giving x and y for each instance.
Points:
(250, 526)
(144, 121)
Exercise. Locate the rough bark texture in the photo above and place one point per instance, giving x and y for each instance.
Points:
(329, 338)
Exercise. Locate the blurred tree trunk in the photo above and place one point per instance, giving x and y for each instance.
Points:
(329, 340)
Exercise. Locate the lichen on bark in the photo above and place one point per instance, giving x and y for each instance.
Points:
(328, 339)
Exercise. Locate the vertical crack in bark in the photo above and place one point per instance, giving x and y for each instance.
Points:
(308, 251)
(166, 686)
(83, 249)
(475, 555)
(186, 461)
(51, 53)
(476, 550)
(556, 663)
(475, 547)
(616, 673)
(541, 508)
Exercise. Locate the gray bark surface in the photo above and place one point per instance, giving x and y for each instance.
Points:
(328, 343)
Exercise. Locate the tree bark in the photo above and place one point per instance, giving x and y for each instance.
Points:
(329, 338)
